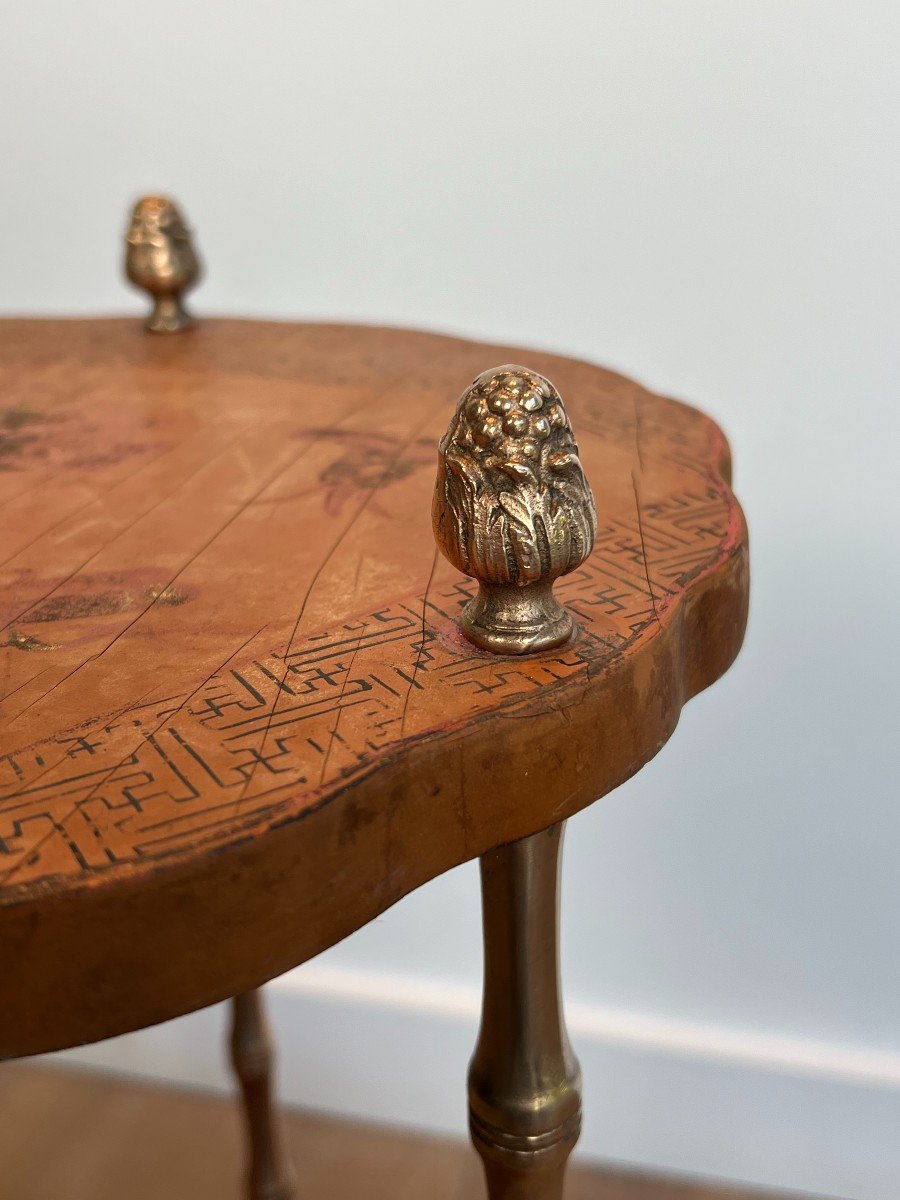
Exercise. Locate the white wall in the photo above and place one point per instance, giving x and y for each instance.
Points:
(704, 195)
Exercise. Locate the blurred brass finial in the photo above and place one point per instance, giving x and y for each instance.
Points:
(160, 258)
(512, 508)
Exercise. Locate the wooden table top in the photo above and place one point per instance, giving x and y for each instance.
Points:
(237, 718)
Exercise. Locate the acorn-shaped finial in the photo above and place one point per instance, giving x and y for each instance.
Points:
(160, 258)
(513, 509)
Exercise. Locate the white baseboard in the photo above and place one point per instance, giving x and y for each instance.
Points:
(661, 1094)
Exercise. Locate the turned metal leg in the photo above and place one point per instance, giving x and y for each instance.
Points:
(269, 1176)
(524, 1081)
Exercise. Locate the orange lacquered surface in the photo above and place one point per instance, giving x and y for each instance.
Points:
(219, 594)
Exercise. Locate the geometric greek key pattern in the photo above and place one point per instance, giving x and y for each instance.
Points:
(165, 776)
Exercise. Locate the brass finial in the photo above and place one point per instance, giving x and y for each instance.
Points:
(512, 508)
(160, 258)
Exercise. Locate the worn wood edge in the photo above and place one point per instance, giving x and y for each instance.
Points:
(204, 936)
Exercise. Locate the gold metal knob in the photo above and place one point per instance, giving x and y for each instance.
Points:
(160, 258)
(513, 509)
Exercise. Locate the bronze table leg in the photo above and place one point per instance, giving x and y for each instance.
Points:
(269, 1175)
(524, 1081)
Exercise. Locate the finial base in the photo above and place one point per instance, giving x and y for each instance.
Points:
(168, 315)
(516, 619)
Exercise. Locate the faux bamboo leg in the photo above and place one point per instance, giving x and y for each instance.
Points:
(269, 1175)
(524, 1081)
